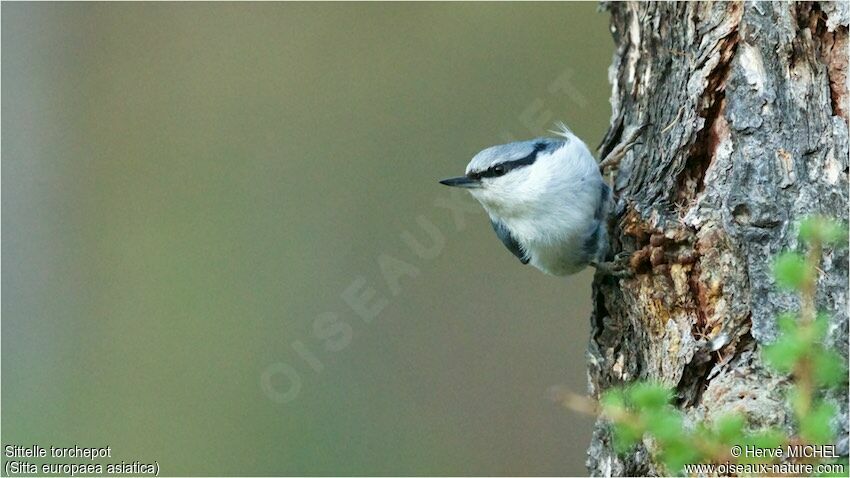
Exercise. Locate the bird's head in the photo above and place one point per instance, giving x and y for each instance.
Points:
(507, 177)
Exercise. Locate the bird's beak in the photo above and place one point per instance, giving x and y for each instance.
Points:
(461, 182)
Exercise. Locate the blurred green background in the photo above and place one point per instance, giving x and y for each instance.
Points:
(187, 187)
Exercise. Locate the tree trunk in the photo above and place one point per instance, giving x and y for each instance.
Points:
(747, 113)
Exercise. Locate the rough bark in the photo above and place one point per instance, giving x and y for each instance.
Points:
(747, 112)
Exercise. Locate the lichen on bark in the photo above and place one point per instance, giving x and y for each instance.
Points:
(747, 113)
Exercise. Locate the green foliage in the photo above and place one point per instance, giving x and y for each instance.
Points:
(626, 436)
(676, 454)
(730, 428)
(614, 399)
(820, 229)
(665, 425)
(649, 396)
(761, 439)
(790, 270)
(644, 409)
(828, 367)
(814, 426)
(788, 348)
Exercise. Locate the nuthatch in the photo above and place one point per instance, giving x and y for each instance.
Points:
(546, 200)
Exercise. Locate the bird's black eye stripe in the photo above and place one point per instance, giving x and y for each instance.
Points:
(503, 168)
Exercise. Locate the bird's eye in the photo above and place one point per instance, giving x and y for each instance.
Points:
(499, 170)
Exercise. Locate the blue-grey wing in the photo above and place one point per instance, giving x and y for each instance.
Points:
(596, 241)
(509, 241)
(604, 202)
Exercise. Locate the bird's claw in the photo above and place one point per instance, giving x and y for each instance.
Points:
(612, 160)
(618, 267)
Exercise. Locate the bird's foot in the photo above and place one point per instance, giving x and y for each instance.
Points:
(618, 267)
(612, 160)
